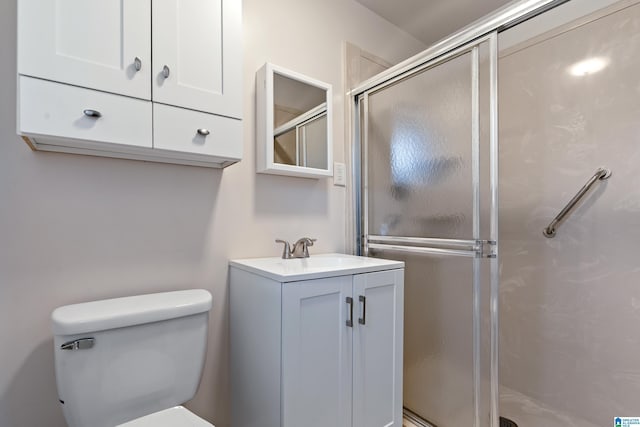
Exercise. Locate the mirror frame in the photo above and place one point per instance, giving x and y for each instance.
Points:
(265, 124)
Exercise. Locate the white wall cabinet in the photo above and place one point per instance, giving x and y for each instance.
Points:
(317, 352)
(89, 44)
(103, 50)
(197, 61)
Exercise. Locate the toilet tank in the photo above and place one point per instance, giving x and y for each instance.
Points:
(120, 359)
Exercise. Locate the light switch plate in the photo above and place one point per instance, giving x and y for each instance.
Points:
(339, 174)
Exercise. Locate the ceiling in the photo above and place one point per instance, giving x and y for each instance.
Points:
(431, 20)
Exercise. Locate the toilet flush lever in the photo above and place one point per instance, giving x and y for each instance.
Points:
(80, 344)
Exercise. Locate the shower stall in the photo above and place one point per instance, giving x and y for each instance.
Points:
(502, 165)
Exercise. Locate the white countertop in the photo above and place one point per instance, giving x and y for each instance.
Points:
(315, 267)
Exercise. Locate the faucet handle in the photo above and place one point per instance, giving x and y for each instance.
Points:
(286, 251)
(308, 241)
(300, 248)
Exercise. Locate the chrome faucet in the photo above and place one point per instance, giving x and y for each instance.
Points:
(300, 248)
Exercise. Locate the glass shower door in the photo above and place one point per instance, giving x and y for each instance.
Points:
(428, 198)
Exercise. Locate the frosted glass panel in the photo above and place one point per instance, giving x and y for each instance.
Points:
(438, 338)
(419, 158)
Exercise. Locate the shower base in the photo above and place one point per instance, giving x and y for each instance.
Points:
(529, 412)
(520, 410)
(412, 420)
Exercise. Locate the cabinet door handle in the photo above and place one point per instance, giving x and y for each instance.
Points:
(92, 113)
(350, 319)
(363, 301)
(137, 64)
(166, 72)
(203, 132)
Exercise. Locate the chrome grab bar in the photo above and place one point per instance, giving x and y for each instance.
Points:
(600, 175)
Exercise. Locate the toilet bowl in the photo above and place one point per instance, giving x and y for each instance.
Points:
(172, 417)
(131, 362)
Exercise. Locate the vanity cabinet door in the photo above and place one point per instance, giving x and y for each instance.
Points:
(91, 44)
(316, 353)
(377, 349)
(197, 60)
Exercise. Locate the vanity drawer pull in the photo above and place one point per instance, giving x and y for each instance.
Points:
(350, 319)
(203, 132)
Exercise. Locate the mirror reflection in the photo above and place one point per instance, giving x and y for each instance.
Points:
(293, 124)
(299, 123)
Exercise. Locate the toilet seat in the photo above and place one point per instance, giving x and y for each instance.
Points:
(177, 416)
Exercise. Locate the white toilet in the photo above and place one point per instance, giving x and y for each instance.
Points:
(130, 361)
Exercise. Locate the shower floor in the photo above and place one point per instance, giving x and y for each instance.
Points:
(525, 411)
(528, 412)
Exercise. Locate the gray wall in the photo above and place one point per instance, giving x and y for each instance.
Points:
(77, 228)
(570, 306)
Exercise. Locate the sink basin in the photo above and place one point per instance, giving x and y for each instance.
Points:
(314, 267)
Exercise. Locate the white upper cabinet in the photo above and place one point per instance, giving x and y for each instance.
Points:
(103, 45)
(156, 80)
(197, 60)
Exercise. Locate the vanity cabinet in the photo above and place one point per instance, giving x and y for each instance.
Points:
(317, 351)
(148, 80)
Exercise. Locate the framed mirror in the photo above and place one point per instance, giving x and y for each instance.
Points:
(294, 124)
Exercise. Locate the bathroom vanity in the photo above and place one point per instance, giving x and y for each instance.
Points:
(316, 341)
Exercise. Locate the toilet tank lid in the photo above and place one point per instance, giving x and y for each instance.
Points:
(128, 311)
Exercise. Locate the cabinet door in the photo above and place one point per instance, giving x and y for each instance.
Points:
(377, 349)
(93, 44)
(316, 353)
(197, 61)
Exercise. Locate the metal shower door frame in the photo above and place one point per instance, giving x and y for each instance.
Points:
(502, 19)
(478, 248)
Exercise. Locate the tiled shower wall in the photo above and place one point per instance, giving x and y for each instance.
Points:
(570, 306)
